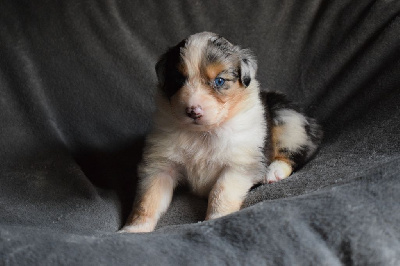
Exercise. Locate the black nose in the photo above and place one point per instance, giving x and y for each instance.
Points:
(194, 112)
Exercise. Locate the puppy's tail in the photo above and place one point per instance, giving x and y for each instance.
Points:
(293, 137)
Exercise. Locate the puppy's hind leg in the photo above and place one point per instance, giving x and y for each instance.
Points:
(278, 170)
(294, 138)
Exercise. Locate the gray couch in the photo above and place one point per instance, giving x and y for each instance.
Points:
(76, 86)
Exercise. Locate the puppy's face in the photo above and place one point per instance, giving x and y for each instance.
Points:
(205, 78)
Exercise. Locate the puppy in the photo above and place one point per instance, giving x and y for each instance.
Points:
(215, 131)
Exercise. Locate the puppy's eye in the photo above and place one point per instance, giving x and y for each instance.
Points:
(219, 82)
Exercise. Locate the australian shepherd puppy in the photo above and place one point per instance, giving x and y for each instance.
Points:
(215, 131)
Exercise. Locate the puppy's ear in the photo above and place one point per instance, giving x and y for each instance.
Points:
(170, 79)
(248, 67)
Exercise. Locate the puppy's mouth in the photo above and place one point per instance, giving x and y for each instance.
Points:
(198, 122)
(195, 120)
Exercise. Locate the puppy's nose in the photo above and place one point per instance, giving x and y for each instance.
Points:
(194, 112)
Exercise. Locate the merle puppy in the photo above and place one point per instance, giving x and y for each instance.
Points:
(215, 131)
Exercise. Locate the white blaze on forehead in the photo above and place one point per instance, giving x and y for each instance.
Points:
(193, 52)
(195, 98)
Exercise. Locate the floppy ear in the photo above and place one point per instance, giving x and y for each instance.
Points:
(170, 79)
(248, 67)
(168, 62)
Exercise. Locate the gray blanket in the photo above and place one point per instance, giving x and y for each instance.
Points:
(76, 85)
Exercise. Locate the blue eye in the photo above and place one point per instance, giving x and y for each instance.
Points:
(219, 82)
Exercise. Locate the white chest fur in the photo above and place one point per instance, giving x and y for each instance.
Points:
(199, 157)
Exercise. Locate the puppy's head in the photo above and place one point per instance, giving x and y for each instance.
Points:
(205, 79)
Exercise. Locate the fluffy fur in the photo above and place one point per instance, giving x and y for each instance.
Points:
(215, 131)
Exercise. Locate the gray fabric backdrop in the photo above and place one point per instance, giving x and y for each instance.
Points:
(76, 86)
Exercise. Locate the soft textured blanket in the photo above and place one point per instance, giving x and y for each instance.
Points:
(76, 86)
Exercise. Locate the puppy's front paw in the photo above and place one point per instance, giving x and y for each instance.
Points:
(143, 227)
(277, 171)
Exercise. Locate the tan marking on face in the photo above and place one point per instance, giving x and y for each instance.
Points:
(218, 105)
(212, 70)
(232, 98)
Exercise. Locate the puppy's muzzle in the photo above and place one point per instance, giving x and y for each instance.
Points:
(194, 112)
